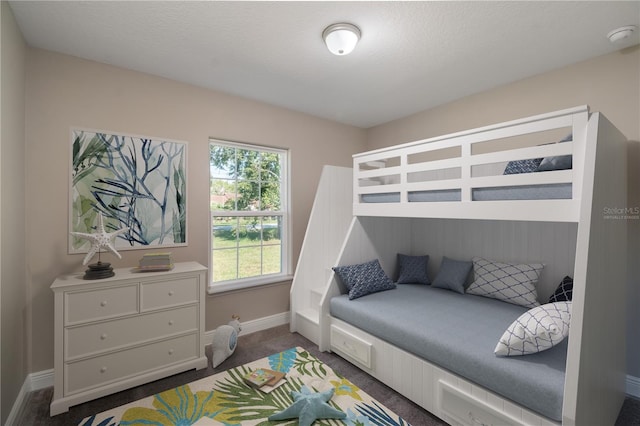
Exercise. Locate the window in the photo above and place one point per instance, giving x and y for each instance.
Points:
(249, 215)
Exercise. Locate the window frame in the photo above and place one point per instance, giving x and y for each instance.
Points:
(285, 237)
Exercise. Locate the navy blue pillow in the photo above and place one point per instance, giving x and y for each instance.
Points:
(412, 269)
(564, 292)
(522, 166)
(364, 278)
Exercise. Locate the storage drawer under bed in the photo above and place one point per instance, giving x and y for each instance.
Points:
(350, 345)
(460, 408)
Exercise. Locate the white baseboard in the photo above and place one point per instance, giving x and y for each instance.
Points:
(33, 382)
(633, 386)
(40, 380)
(259, 324)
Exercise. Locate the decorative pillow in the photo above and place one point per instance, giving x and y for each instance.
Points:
(536, 330)
(364, 278)
(564, 292)
(560, 162)
(413, 269)
(522, 166)
(452, 274)
(508, 282)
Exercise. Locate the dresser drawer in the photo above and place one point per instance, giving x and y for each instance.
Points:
(93, 338)
(101, 370)
(160, 294)
(84, 306)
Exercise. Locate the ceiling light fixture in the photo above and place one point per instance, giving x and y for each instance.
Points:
(620, 35)
(342, 38)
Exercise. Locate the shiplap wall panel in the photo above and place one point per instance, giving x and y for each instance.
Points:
(550, 243)
(390, 236)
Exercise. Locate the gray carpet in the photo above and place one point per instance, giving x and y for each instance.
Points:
(252, 347)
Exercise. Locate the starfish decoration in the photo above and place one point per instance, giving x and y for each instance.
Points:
(100, 239)
(308, 407)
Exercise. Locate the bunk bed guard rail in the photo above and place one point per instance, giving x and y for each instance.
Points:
(527, 169)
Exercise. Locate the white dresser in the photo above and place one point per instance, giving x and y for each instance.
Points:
(119, 332)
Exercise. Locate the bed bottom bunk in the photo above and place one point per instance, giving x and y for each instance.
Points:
(453, 335)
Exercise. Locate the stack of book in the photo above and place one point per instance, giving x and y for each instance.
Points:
(264, 379)
(156, 262)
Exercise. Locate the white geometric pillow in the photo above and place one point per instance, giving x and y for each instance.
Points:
(508, 282)
(536, 330)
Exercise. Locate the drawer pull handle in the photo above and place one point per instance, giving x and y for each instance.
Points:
(103, 303)
(170, 351)
(171, 293)
(103, 369)
(476, 421)
(171, 322)
(103, 336)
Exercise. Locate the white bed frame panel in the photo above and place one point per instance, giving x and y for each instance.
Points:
(374, 181)
(329, 221)
(590, 246)
(596, 359)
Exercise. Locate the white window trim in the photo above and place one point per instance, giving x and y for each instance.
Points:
(242, 283)
(287, 273)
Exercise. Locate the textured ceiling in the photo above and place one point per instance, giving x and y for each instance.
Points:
(412, 55)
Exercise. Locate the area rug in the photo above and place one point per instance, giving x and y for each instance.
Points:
(225, 399)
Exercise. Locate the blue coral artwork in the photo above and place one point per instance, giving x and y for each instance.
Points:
(135, 182)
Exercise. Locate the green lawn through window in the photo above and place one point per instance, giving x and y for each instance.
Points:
(242, 256)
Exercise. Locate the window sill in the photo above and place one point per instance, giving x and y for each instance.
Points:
(224, 287)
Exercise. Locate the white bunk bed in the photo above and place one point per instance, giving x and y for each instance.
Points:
(328, 223)
(571, 235)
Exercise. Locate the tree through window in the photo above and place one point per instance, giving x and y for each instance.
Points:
(248, 204)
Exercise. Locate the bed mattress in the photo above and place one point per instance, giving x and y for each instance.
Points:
(459, 333)
(560, 191)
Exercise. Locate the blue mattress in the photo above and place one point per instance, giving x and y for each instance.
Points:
(525, 192)
(459, 333)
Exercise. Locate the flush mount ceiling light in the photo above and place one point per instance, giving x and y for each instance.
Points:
(620, 35)
(342, 38)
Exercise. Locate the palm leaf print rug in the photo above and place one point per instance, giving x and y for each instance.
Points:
(225, 399)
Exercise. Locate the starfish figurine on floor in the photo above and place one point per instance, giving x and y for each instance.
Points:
(100, 239)
(309, 406)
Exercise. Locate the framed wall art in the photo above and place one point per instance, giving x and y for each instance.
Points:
(135, 182)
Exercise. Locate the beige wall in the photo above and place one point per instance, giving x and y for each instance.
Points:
(13, 291)
(64, 91)
(609, 84)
